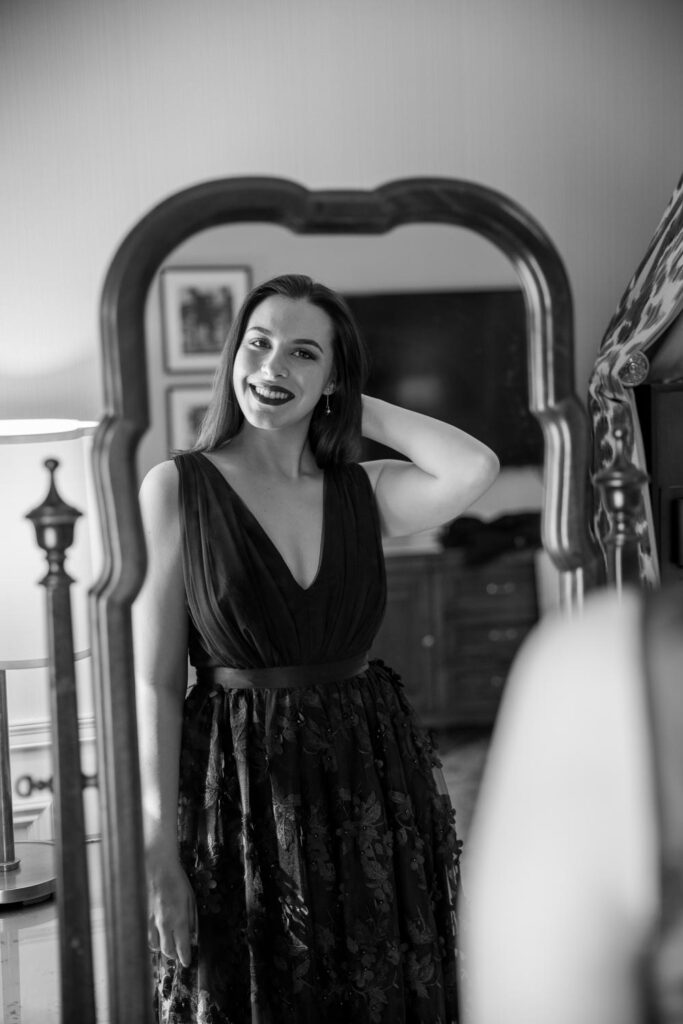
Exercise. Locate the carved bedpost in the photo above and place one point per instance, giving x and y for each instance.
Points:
(54, 523)
(621, 486)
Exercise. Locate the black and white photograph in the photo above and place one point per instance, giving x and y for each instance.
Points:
(186, 407)
(198, 307)
(341, 531)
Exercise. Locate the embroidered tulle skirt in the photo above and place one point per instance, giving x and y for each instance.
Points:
(320, 843)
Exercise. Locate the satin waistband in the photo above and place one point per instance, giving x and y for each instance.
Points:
(283, 677)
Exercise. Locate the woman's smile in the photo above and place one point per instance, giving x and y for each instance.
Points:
(270, 394)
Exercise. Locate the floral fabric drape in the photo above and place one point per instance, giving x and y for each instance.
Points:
(651, 302)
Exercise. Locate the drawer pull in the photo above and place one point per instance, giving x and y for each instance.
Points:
(501, 588)
(427, 640)
(498, 635)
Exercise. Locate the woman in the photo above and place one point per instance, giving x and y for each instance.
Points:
(301, 863)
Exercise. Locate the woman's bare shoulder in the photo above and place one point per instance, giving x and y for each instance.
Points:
(159, 492)
(160, 477)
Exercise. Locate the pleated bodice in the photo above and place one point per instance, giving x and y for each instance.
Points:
(246, 609)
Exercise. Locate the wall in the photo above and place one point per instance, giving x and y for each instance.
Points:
(569, 106)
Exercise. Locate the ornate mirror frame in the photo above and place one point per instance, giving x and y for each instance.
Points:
(552, 400)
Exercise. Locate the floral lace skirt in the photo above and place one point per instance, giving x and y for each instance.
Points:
(319, 839)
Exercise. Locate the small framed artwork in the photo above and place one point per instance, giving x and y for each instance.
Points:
(185, 408)
(198, 306)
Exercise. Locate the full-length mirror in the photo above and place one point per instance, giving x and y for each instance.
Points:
(153, 378)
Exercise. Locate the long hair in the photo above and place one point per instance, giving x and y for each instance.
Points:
(333, 438)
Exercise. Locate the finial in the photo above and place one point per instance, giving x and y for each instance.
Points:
(54, 523)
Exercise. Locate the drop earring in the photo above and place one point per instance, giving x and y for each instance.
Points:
(328, 408)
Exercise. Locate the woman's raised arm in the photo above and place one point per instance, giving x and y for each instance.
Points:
(448, 469)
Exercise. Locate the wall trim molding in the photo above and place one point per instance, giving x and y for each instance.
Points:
(36, 733)
(31, 748)
(33, 820)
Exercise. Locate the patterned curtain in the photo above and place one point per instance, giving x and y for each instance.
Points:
(651, 302)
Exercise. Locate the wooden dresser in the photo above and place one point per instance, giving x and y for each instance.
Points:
(451, 630)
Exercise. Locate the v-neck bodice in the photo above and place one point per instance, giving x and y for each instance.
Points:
(241, 503)
(246, 609)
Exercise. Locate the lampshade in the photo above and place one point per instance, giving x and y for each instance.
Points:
(24, 447)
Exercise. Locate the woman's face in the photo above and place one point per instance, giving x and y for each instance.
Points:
(284, 362)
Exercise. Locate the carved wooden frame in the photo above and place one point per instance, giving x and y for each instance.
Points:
(232, 200)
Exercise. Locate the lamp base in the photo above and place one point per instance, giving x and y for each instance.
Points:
(33, 880)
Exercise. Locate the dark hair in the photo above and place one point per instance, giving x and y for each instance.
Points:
(335, 438)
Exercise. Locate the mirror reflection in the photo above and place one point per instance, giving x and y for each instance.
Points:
(443, 318)
(462, 586)
(294, 773)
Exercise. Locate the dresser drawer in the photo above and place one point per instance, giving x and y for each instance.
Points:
(408, 637)
(491, 646)
(492, 593)
(473, 696)
(452, 630)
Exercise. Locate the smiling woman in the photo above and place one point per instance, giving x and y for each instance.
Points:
(300, 849)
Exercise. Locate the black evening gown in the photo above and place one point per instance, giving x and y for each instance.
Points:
(313, 822)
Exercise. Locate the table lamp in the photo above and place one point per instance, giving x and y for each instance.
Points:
(27, 869)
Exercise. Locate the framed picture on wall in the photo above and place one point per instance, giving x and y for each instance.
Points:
(198, 305)
(185, 408)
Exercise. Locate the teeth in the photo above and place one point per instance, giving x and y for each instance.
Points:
(267, 393)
